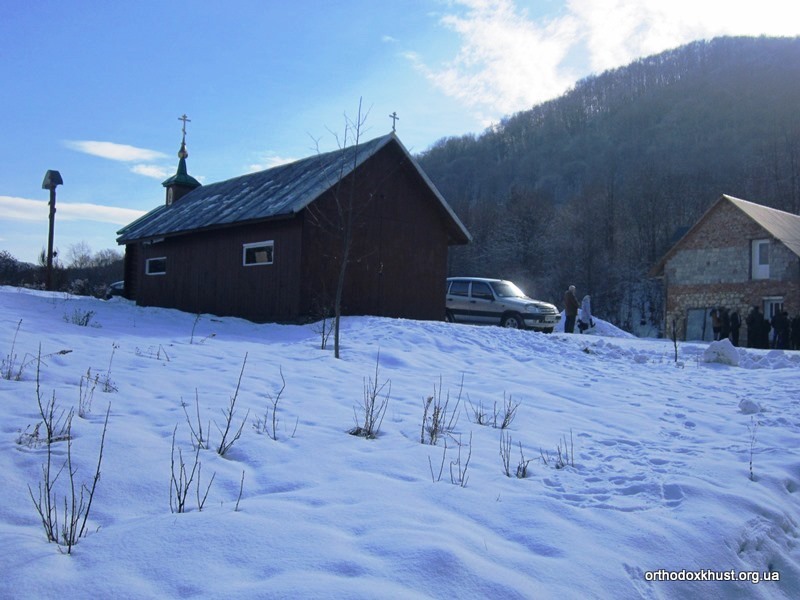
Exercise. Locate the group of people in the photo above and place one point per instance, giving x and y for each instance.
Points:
(726, 325)
(781, 332)
(571, 307)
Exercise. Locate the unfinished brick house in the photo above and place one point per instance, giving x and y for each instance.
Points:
(738, 255)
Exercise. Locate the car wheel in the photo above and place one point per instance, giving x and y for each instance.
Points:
(448, 316)
(512, 321)
(547, 330)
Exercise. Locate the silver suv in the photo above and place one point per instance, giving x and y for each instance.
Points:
(497, 302)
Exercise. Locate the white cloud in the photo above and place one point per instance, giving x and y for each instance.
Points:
(22, 209)
(153, 171)
(113, 151)
(651, 26)
(269, 161)
(508, 61)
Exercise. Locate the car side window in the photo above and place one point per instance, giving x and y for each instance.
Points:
(459, 288)
(481, 290)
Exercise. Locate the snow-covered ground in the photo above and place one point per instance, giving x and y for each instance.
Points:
(661, 479)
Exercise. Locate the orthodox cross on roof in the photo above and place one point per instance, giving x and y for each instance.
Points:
(394, 119)
(182, 153)
(185, 119)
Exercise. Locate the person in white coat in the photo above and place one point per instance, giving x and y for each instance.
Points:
(586, 321)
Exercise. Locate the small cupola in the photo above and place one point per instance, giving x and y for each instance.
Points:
(181, 183)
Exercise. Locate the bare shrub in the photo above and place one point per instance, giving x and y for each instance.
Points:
(155, 353)
(269, 423)
(522, 465)
(458, 467)
(69, 526)
(751, 429)
(201, 340)
(56, 426)
(13, 368)
(438, 418)
(108, 385)
(8, 368)
(86, 393)
(506, 414)
(479, 414)
(180, 483)
(226, 442)
(30, 439)
(373, 406)
(239, 497)
(324, 326)
(82, 318)
(199, 438)
(564, 455)
(505, 454)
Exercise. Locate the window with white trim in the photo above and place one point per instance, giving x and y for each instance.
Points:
(156, 266)
(258, 253)
(760, 259)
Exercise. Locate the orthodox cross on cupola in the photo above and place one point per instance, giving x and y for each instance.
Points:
(394, 119)
(181, 183)
(183, 151)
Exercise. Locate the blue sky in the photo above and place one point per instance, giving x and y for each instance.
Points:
(94, 89)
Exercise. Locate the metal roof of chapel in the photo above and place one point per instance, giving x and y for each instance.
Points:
(281, 191)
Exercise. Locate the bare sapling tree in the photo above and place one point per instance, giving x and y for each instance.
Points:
(343, 220)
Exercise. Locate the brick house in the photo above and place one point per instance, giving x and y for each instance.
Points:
(737, 255)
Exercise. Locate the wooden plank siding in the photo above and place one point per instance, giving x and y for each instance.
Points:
(398, 261)
(205, 273)
(399, 255)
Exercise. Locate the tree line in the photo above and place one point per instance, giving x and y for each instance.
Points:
(82, 272)
(593, 187)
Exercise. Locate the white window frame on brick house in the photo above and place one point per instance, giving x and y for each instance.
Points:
(258, 253)
(760, 259)
(772, 305)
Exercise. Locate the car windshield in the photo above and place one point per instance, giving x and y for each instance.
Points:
(506, 289)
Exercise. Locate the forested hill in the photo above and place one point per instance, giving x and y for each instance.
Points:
(591, 188)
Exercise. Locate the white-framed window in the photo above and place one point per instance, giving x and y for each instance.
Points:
(772, 306)
(760, 259)
(156, 266)
(258, 253)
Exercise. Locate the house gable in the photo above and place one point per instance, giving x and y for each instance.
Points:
(713, 264)
(724, 227)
